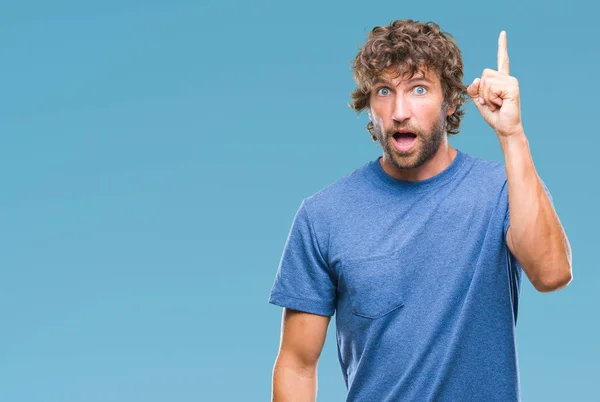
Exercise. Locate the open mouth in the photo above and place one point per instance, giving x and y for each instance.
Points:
(404, 141)
(404, 136)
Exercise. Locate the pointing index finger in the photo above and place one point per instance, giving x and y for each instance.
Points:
(503, 54)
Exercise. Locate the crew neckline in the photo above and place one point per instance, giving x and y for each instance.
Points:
(435, 181)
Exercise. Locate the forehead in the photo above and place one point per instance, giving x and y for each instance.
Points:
(390, 75)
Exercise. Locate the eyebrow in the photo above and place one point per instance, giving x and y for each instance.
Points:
(380, 80)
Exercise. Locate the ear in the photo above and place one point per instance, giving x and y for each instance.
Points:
(451, 111)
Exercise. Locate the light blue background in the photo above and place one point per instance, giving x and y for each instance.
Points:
(153, 155)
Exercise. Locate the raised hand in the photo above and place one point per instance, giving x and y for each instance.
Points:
(496, 95)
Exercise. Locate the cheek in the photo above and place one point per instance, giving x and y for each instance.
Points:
(428, 105)
(376, 115)
(429, 111)
(378, 121)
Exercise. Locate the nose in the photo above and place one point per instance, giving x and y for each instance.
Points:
(402, 109)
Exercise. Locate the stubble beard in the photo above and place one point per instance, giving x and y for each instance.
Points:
(426, 147)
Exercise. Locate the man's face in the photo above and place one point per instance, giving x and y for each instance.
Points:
(415, 105)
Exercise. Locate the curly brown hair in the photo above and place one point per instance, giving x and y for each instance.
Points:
(407, 45)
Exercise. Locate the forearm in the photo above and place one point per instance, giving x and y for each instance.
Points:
(538, 238)
(293, 382)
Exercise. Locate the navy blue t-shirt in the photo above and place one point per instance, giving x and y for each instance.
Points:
(424, 287)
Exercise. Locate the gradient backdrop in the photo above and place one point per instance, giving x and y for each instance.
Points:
(153, 155)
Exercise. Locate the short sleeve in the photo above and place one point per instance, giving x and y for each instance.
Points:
(507, 217)
(304, 281)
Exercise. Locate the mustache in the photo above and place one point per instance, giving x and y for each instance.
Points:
(413, 130)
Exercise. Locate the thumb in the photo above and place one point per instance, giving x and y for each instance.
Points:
(473, 89)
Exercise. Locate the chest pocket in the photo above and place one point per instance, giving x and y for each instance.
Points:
(375, 284)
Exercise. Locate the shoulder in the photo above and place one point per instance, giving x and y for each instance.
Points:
(486, 174)
(490, 169)
(334, 196)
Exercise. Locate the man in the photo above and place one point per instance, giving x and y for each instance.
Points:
(418, 252)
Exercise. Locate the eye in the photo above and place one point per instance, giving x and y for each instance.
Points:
(383, 89)
(420, 90)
